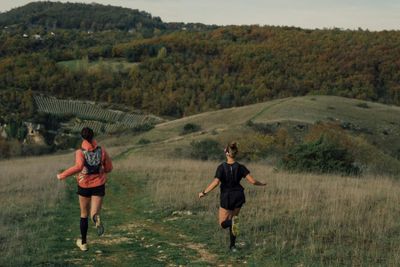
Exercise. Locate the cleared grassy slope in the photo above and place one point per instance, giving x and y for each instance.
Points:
(379, 124)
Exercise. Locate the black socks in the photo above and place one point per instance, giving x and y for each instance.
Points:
(84, 229)
(225, 224)
(232, 238)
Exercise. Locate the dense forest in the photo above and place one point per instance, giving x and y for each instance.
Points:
(181, 68)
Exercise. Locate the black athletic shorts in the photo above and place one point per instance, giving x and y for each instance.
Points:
(92, 191)
(232, 200)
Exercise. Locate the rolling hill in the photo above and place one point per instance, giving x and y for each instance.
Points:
(94, 17)
(373, 128)
(152, 216)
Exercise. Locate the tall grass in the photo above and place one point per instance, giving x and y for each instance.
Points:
(29, 192)
(296, 219)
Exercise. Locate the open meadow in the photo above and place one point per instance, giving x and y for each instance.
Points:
(153, 217)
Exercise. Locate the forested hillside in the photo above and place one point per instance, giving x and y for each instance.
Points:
(124, 56)
(95, 17)
(183, 71)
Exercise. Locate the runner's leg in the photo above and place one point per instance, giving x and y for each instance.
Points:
(84, 203)
(97, 202)
(225, 217)
(234, 228)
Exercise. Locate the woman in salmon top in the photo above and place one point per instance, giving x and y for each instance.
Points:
(91, 165)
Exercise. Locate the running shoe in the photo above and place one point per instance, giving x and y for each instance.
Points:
(235, 225)
(99, 225)
(233, 249)
(83, 247)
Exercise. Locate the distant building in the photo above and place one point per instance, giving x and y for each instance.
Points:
(37, 36)
(25, 35)
(34, 135)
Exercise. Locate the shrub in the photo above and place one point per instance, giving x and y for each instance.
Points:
(190, 128)
(255, 146)
(206, 149)
(36, 150)
(143, 141)
(65, 141)
(362, 105)
(322, 156)
(143, 127)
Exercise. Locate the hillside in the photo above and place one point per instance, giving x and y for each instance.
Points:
(372, 128)
(152, 215)
(93, 17)
(185, 70)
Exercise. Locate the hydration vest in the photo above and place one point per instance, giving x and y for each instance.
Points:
(92, 160)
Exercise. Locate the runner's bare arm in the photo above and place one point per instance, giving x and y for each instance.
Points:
(79, 164)
(107, 162)
(210, 187)
(253, 181)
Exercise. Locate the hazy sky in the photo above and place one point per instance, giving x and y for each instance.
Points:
(367, 14)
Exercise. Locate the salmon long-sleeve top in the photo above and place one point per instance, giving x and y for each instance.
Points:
(88, 180)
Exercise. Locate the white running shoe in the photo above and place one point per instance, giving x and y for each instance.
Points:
(83, 247)
(233, 249)
(235, 225)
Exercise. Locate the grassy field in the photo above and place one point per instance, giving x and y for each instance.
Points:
(107, 64)
(153, 216)
(29, 199)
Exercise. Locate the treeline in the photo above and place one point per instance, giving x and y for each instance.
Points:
(93, 17)
(235, 66)
(187, 72)
(89, 17)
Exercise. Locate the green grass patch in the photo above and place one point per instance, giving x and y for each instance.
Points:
(115, 65)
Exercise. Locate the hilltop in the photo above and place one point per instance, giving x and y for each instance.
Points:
(94, 17)
(86, 17)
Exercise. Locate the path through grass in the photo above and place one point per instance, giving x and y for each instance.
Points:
(135, 236)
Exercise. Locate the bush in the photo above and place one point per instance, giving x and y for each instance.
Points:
(143, 141)
(145, 127)
(64, 141)
(36, 150)
(255, 146)
(321, 156)
(206, 149)
(362, 105)
(190, 128)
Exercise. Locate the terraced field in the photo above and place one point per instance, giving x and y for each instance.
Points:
(92, 115)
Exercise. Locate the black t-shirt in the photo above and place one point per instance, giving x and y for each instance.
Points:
(230, 176)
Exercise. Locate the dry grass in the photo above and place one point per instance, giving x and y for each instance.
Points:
(29, 192)
(29, 195)
(328, 220)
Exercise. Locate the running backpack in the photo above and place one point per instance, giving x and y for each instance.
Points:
(92, 160)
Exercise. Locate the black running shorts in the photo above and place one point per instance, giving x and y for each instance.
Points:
(92, 191)
(232, 200)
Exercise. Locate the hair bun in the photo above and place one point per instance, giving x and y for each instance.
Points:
(232, 149)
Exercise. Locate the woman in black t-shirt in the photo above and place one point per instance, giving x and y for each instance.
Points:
(228, 175)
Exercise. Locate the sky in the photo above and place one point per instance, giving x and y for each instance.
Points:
(374, 15)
